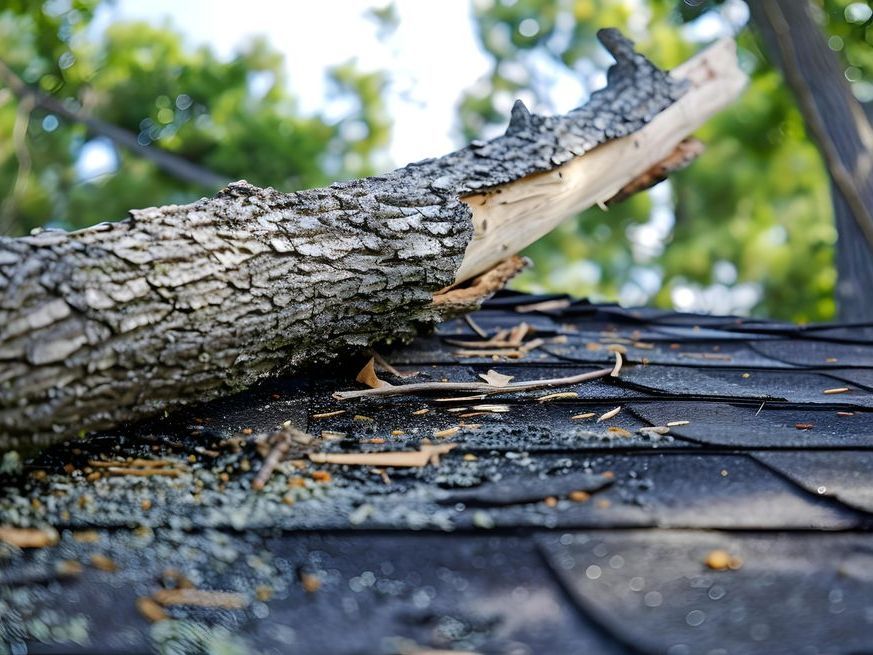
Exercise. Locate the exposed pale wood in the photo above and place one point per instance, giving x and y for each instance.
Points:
(510, 217)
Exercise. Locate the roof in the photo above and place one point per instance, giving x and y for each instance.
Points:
(741, 525)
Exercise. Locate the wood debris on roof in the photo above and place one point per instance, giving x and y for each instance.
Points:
(644, 509)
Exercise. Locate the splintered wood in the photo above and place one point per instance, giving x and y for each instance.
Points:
(280, 444)
(533, 206)
(426, 454)
(508, 343)
(610, 414)
(201, 598)
(138, 467)
(385, 366)
(28, 537)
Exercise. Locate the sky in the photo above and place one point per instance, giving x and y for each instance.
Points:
(433, 55)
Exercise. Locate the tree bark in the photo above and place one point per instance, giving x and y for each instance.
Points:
(838, 124)
(184, 303)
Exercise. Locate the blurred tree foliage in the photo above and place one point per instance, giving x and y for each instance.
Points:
(236, 118)
(749, 226)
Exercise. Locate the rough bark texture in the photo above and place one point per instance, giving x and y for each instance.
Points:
(184, 303)
(844, 135)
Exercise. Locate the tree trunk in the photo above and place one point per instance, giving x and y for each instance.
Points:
(836, 121)
(184, 303)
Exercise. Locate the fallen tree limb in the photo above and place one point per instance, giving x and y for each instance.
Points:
(185, 303)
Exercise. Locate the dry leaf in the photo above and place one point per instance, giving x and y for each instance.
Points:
(447, 433)
(368, 376)
(621, 432)
(676, 424)
(585, 415)
(496, 379)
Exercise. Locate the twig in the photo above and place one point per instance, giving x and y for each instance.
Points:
(503, 339)
(283, 440)
(544, 306)
(383, 364)
(134, 463)
(143, 472)
(474, 387)
(514, 351)
(618, 362)
(475, 326)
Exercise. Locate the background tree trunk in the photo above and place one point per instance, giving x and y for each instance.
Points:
(844, 135)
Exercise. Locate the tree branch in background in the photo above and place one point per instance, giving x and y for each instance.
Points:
(838, 125)
(174, 165)
(22, 154)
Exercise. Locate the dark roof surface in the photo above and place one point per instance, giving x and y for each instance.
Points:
(538, 533)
